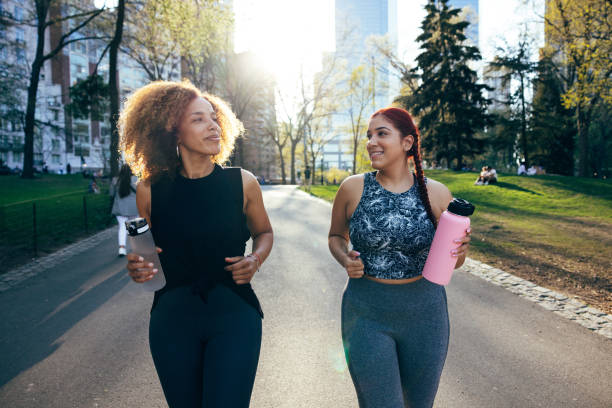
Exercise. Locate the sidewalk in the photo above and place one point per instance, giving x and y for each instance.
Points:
(589, 317)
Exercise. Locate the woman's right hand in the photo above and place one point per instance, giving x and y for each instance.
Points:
(354, 265)
(139, 270)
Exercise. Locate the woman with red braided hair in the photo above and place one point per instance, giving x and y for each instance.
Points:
(395, 325)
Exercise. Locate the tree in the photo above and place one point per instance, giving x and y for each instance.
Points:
(148, 37)
(113, 88)
(89, 98)
(514, 65)
(312, 102)
(48, 15)
(579, 35)
(552, 124)
(359, 97)
(449, 100)
(204, 30)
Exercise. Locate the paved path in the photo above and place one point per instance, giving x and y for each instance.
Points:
(75, 334)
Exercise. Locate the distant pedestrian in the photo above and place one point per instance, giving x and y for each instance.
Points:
(395, 324)
(205, 324)
(123, 191)
(522, 170)
(68, 168)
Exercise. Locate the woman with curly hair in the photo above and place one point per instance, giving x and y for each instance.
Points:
(395, 325)
(205, 324)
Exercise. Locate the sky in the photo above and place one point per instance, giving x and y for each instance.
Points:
(289, 33)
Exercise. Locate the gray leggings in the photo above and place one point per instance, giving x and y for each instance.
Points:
(395, 339)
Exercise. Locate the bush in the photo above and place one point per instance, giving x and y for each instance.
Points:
(336, 176)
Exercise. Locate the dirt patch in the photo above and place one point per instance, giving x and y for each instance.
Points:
(572, 258)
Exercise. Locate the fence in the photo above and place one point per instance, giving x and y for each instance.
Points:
(34, 228)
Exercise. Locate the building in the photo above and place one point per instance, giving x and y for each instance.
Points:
(356, 20)
(251, 94)
(59, 138)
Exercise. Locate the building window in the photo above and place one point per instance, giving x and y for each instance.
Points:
(19, 35)
(79, 46)
(18, 13)
(81, 133)
(21, 55)
(55, 144)
(17, 157)
(4, 157)
(55, 159)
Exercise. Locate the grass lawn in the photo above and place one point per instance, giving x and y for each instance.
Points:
(555, 231)
(46, 213)
(14, 189)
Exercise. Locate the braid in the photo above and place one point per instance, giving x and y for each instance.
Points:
(402, 120)
(416, 157)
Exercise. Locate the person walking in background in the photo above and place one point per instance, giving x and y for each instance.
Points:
(123, 191)
(395, 326)
(205, 324)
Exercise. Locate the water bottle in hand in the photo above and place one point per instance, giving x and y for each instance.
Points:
(452, 225)
(141, 241)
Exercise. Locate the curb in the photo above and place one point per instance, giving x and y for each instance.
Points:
(589, 317)
(39, 265)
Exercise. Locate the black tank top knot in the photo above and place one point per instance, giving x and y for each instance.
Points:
(198, 223)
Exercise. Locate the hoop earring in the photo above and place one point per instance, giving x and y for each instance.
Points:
(178, 154)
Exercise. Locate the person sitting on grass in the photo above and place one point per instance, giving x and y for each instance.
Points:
(488, 175)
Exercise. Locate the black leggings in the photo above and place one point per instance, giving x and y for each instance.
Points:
(206, 354)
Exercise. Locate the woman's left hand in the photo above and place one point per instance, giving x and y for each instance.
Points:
(462, 250)
(242, 268)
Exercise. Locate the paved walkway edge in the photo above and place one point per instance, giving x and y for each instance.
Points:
(39, 265)
(572, 309)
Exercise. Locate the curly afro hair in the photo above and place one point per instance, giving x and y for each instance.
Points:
(149, 122)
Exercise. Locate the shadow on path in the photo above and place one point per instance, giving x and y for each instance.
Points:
(37, 313)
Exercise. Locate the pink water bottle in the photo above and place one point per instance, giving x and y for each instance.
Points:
(451, 226)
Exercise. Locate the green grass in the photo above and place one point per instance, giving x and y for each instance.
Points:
(46, 213)
(554, 230)
(14, 189)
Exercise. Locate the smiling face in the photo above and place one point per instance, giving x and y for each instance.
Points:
(386, 145)
(199, 132)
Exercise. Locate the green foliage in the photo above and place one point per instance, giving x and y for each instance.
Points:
(336, 176)
(579, 36)
(514, 64)
(449, 101)
(552, 125)
(89, 96)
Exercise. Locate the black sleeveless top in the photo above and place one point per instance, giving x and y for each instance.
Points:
(198, 223)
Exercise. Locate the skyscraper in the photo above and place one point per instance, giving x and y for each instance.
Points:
(355, 21)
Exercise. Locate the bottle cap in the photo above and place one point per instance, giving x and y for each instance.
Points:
(136, 226)
(461, 207)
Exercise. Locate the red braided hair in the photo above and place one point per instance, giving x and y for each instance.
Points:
(403, 122)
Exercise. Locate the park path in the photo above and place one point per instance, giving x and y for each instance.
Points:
(75, 335)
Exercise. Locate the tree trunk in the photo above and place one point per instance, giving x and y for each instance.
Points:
(293, 147)
(524, 123)
(282, 162)
(583, 142)
(30, 117)
(114, 89)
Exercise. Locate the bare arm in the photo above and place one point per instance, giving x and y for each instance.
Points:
(338, 237)
(243, 268)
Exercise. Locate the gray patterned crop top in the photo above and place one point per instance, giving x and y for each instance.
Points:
(392, 231)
